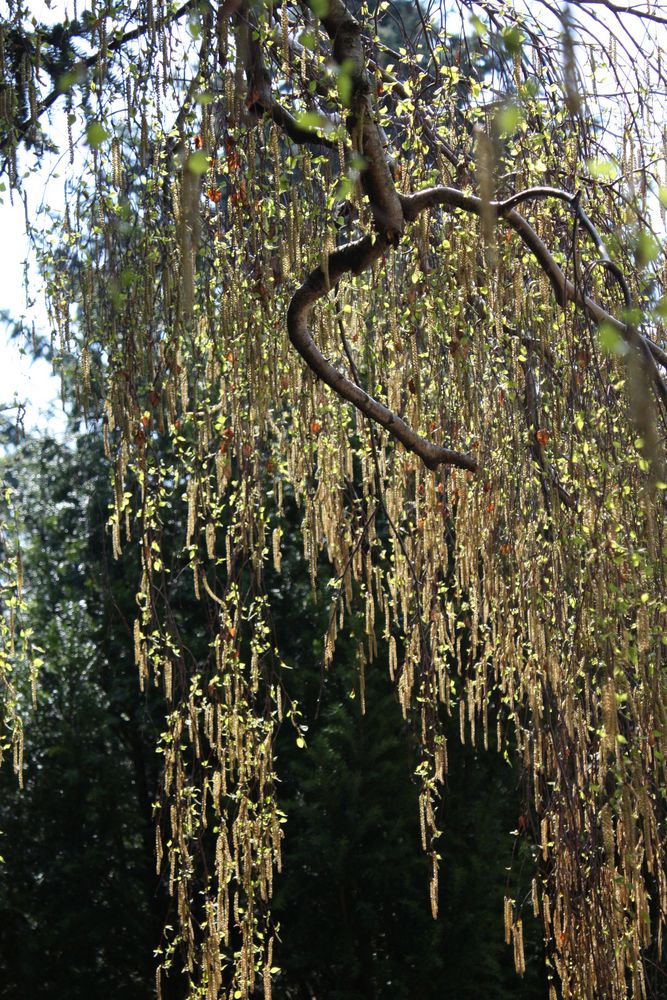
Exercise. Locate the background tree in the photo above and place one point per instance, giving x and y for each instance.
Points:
(82, 908)
(505, 536)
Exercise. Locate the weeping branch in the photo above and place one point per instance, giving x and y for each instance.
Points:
(353, 259)
(548, 476)
(565, 291)
(260, 96)
(22, 127)
(644, 14)
(391, 211)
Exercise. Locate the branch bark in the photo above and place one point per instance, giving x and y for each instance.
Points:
(377, 182)
(353, 259)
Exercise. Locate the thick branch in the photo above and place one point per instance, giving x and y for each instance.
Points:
(385, 203)
(344, 32)
(260, 95)
(353, 259)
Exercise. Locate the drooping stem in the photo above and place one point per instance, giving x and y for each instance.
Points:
(353, 259)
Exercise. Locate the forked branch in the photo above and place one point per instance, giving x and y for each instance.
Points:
(564, 289)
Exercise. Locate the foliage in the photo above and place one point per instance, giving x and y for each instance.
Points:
(257, 182)
(351, 902)
(81, 910)
(81, 906)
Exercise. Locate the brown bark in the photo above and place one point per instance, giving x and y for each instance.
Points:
(355, 258)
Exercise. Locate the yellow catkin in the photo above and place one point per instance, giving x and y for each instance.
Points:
(546, 613)
(544, 838)
(433, 887)
(507, 917)
(277, 557)
(519, 956)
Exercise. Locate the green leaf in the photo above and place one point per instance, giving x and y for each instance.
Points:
(508, 119)
(633, 316)
(661, 307)
(96, 134)
(344, 82)
(198, 163)
(602, 169)
(308, 40)
(610, 339)
(513, 38)
(313, 120)
(72, 77)
(320, 8)
(647, 248)
(478, 25)
(344, 189)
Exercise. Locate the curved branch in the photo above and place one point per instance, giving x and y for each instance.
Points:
(633, 334)
(260, 96)
(564, 289)
(377, 182)
(353, 259)
(386, 205)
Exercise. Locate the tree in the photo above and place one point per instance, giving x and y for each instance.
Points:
(81, 904)
(474, 269)
(82, 907)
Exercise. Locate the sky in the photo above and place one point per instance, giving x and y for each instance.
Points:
(21, 379)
